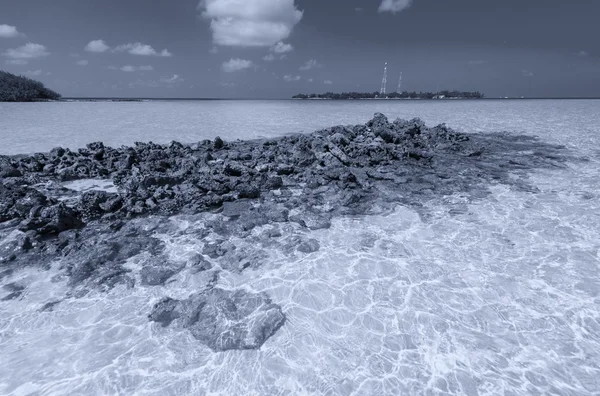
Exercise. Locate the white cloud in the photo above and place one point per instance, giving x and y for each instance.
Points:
(16, 62)
(310, 80)
(311, 64)
(234, 65)
(583, 53)
(129, 68)
(97, 46)
(250, 23)
(8, 31)
(527, 73)
(477, 62)
(172, 80)
(289, 78)
(113, 67)
(142, 50)
(213, 50)
(327, 82)
(269, 57)
(394, 6)
(82, 62)
(281, 48)
(33, 72)
(27, 51)
(358, 9)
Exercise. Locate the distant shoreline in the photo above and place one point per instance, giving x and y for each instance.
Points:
(84, 99)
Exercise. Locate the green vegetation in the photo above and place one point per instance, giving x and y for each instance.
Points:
(393, 95)
(22, 89)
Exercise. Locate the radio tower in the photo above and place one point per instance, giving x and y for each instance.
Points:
(399, 83)
(384, 80)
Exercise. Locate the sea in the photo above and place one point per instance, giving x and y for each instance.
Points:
(502, 298)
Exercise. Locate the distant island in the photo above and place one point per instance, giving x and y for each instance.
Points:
(393, 95)
(15, 88)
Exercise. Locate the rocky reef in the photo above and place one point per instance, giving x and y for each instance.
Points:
(301, 180)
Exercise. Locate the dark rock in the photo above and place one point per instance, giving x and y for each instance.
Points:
(310, 246)
(218, 144)
(93, 204)
(15, 291)
(223, 319)
(312, 221)
(274, 183)
(247, 191)
(52, 220)
(48, 307)
(285, 170)
(11, 248)
(236, 208)
(199, 263)
(155, 276)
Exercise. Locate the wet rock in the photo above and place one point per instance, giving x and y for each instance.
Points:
(223, 319)
(8, 168)
(51, 220)
(15, 291)
(93, 204)
(218, 143)
(313, 221)
(13, 246)
(155, 276)
(199, 264)
(310, 246)
(49, 306)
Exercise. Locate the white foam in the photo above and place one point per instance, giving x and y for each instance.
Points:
(84, 185)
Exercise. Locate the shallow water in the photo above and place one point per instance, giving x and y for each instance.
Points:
(35, 127)
(499, 297)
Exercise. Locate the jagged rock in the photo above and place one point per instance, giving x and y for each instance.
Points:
(51, 220)
(199, 263)
(93, 204)
(223, 319)
(310, 246)
(218, 144)
(155, 276)
(307, 179)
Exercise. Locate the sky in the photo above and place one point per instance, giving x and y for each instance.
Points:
(278, 48)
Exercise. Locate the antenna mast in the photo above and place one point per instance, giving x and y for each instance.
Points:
(399, 83)
(384, 80)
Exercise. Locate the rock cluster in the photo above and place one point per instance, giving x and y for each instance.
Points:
(304, 180)
(223, 319)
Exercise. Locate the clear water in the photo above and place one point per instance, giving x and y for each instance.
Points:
(34, 127)
(503, 299)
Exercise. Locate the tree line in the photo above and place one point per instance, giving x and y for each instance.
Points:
(394, 95)
(15, 88)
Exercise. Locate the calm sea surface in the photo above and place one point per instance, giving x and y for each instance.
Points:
(500, 299)
(31, 127)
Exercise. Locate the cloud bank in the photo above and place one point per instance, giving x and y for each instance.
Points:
(27, 51)
(129, 68)
(250, 23)
(281, 48)
(237, 64)
(394, 6)
(311, 64)
(97, 46)
(8, 31)
(141, 50)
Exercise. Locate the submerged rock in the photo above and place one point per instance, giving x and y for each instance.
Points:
(155, 276)
(303, 179)
(223, 319)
